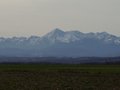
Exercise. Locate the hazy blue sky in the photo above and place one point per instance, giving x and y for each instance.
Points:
(36, 17)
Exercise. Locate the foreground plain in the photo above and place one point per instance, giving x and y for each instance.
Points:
(59, 77)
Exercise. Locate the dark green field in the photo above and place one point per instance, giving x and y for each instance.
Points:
(59, 77)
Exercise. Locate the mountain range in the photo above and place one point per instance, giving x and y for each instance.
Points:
(59, 43)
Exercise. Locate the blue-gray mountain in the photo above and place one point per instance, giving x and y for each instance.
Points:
(58, 43)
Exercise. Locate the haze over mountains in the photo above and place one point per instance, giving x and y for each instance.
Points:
(58, 43)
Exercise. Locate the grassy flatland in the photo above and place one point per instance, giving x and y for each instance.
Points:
(59, 77)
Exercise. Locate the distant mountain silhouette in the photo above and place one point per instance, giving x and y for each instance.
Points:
(58, 43)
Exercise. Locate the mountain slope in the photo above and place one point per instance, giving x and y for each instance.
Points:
(58, 43)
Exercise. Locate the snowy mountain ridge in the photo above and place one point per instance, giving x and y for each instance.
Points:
(60, 43)
(66, 37)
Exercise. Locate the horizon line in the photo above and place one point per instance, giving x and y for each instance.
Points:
(28, 36)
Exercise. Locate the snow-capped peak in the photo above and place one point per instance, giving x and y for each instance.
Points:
(55, 35)
(56, 32)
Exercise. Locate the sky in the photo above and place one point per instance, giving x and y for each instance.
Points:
(37, 17)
